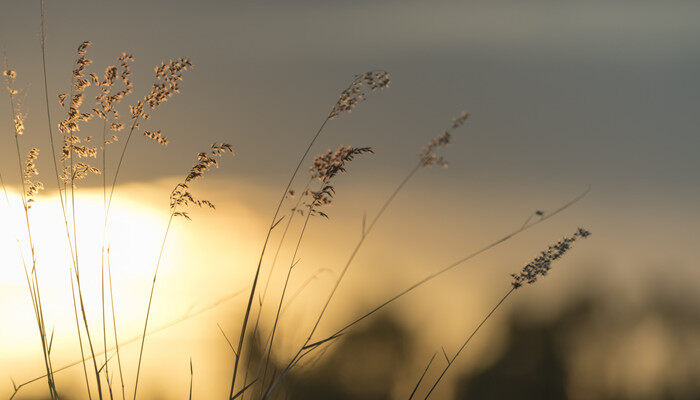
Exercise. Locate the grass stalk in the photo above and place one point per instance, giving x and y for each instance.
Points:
(349, 98)
(359, 245)
(309, 347)
(102, 254)
(269, 276)
(292, 264)
(462, 260)
(365, 233)
(77, 271)
(33, 283)
(244, 325)
(73, 243)
(466, 342)
(150, 301)
(191, 378)
(425, 371)
(80, 336)
(114, 325)
(186, 317)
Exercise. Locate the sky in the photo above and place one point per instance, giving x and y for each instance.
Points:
(561, 96)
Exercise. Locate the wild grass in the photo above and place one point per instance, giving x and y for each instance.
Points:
(79, 156)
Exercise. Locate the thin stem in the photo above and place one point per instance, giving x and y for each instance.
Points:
(369, 229)
(87, 333)
(136, 338)
(284, 234)
(30, 287)
(80, 338)
(415, 389)
(114, 325)
(106, 207)
(466, 342)
(262, 253)
(150, 300)
(307, 348)
(302, 287)
(269, 276)
(191, 378)
(461, 261)
(119, 166)
(102, 255)
(50, 124)
(359, 244)
(58, 181)
(77, 273)
(284, 291)
(33, 286)
(284, 310)
(50, 130)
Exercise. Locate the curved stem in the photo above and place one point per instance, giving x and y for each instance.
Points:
(262, 253)
(102, 257)
(114, 325)
(284, 291)
(269, 276)
(80, 337)
(369, 229)
(307, 348)
(150, 301)
(359, 244)
(457, 263)
(33, 284)
(425, 371)
(452, 360)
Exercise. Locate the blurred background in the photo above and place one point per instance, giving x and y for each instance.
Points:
(562, 95)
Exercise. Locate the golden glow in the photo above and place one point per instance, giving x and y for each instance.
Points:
(214, 255)
(134, 235)
(194, 253)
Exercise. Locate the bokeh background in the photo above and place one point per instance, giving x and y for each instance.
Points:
(562, 95)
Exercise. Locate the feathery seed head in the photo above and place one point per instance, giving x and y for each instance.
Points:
(328, 165)
(79, 170)
(181, 196)
(18, 120)
(156, 136)
(325, 167)
(357, 91)
(82, 48)
(541, 264)
(31, 187)
(10, 73)
(18, 117)
(428, 155)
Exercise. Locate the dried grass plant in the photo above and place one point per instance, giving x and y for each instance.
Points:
(98, 97)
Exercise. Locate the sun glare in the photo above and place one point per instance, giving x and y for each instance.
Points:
(132, 239)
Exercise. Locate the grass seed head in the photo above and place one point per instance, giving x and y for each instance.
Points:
(31, 187)
(541, 264)
(358, 90)
(429, 155)
(325, 167)
(18, 117)
(181, 196)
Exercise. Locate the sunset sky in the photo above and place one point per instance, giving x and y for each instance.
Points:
(561, 96)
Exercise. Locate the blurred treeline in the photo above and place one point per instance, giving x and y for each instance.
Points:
(591, 348)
